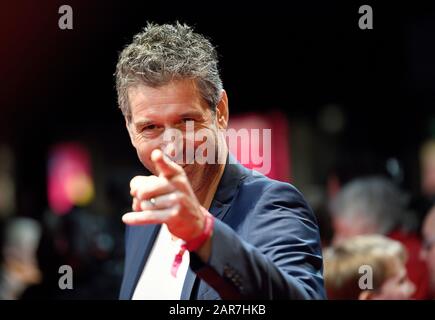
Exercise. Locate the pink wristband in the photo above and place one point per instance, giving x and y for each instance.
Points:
(196, 243)
(193, 244)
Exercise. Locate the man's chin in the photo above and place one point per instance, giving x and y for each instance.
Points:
(194, 172)
(188, 169)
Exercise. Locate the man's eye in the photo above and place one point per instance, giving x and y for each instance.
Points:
(149, 127)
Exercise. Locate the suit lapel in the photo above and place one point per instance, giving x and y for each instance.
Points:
(139, 254)
(218, 211)
(225, 192)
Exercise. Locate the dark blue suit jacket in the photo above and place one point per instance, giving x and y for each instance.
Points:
(265, 244)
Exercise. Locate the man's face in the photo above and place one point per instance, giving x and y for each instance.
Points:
(428, 250)
(156, 110)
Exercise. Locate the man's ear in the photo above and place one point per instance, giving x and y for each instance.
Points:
(222, 111)
(365, 295)
(129, 130)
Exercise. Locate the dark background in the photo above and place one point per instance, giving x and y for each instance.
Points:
(57, 85)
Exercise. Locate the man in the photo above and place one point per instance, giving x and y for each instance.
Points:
(203, 230)
(428, 250)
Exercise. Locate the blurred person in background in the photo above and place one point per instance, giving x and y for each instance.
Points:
(423, 201)
(428, 250)
(374, 205)
(19, 269)
(385, 258)
(81, 239)
(427, 167)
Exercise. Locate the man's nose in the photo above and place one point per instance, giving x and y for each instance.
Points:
(172, 145)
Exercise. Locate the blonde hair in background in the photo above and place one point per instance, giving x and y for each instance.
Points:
(343, 261)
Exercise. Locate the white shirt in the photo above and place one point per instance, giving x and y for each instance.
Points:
(156, 281)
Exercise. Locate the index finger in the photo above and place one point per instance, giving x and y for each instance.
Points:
(165, 167)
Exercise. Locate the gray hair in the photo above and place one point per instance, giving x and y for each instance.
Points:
(163, 53)
(376, 199)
